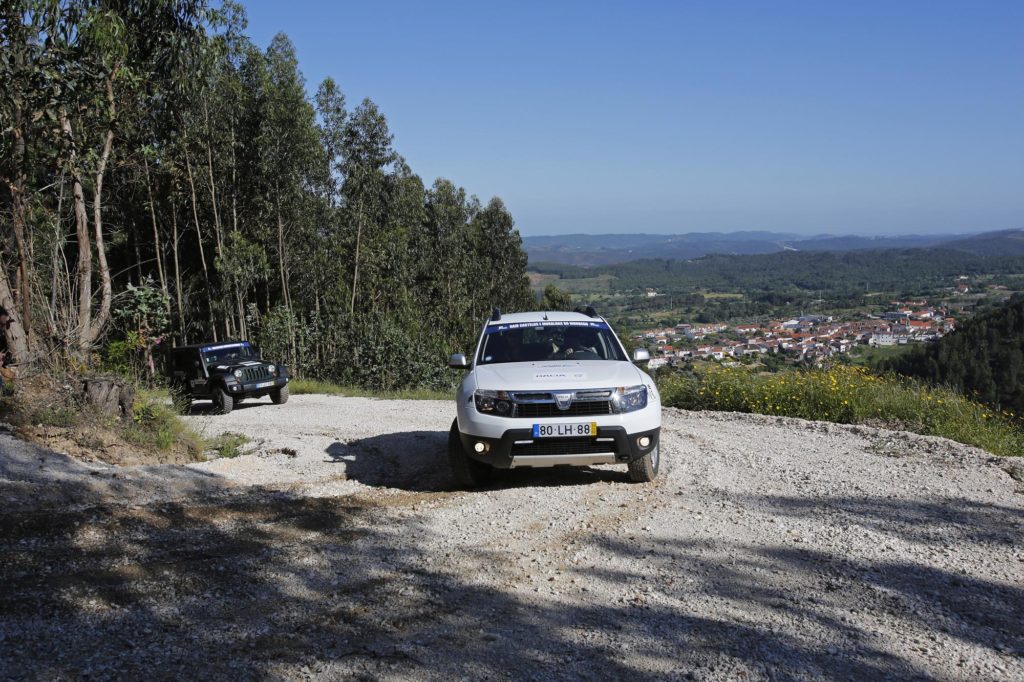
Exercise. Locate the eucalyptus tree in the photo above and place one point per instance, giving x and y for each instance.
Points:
(79, 68)
(502, 259)
(290, 147)
(367, 154)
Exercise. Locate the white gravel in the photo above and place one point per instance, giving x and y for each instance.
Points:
(768, 549)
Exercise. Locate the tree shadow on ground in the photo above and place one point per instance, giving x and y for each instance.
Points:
(417, 461)
(34, 477)
(277, 586)
(259, 585)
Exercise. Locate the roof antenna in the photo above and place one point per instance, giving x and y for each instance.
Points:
(544, 316)
(495, 314)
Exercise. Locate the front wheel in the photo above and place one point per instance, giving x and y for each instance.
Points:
(223, 401)
(469, 473)
(280, 396)
(645, 469)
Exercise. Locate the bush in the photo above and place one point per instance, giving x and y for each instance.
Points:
(848, 395)
(156, 424)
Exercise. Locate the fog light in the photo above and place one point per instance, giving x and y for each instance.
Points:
(480, 447)
(644, 441)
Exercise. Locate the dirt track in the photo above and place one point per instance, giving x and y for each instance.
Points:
(769, 549)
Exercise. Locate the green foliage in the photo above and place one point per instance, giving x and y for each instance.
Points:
(157, 425)
(847, 395)
(229, 444)
(787, 282)
(555, 299)
(984, 358)
(233, 205)
(141, 320)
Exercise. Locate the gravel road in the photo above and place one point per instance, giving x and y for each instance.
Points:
(768, 549)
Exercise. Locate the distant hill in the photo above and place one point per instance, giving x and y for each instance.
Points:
(606, 249)
(1004, 243)
(786, 274)
(984, 357)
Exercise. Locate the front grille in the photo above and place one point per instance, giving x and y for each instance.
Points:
(576, 409)
(250, 374)
(564, 446)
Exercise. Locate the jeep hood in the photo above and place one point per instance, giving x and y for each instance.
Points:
(237, 364)
(556, 374)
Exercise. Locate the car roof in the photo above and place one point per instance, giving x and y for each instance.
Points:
(197, 346)
(545, 316)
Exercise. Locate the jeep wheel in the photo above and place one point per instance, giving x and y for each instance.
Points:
(645, 469)
(469, 473)
(223, 401)
(280, 396)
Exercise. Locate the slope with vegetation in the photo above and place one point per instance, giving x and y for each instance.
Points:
(847, 395)
(984, 357)
(163, 179)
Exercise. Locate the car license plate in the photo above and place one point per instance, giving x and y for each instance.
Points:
(265, 384)
(582, 429)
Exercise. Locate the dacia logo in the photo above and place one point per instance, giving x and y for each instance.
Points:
(563, 400)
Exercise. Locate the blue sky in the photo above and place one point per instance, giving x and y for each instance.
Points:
(845, 117)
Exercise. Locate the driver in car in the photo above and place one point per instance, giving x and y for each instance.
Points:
(574, 343)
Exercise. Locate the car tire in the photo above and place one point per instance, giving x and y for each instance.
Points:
(223, 401)
(645, 469)
(469, 473)
(280, 396)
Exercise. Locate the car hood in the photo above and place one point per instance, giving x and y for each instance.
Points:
(556, 374)
(237, 364)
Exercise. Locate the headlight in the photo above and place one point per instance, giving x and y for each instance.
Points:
(273, 369)
(631, 399)
(237, 373)
(493, 402)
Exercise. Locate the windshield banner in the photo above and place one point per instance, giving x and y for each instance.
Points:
(494, 328)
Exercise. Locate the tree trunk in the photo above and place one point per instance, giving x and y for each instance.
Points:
(243, 328)
(355, 269)
(17, 340)
(213, 185)
(83, 271)
(106, 286)
(22, 292)
(110, 396)
(199, 240)
(282, 258)
(177, 272)
(156, 238)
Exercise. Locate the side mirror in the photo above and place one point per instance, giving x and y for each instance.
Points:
(197, 364)
(458, 361)
(641, 355)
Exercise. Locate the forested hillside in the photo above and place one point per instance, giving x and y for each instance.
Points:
(787, 274)
(984, 357)
(164, 178)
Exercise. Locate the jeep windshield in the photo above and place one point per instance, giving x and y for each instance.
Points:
(540, 341)
(228, 353)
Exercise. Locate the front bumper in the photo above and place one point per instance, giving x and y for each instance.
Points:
(518, 448)
(257, 389)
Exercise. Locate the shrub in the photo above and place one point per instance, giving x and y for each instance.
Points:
(848, 395)
(156, 424)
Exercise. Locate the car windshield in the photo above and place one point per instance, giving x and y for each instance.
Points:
(536, 342)
(228, 353)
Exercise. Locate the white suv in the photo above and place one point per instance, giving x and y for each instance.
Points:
(549, 389)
